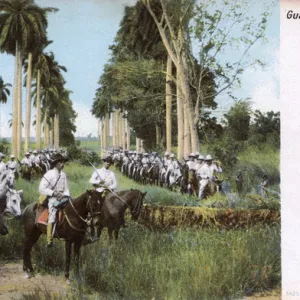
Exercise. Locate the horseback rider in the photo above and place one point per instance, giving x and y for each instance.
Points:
(104, 179)
(54, 185)
(26, 160)
(173, 165)
(2, 164)
(206, 173)
(13, 165)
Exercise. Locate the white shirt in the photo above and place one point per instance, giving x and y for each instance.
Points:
(107, 176)
(12, 164)
(192, 165)
(26, 161)
(36, 160)
(53, 181)
(207, 172)
(173, 165)
(2, 167)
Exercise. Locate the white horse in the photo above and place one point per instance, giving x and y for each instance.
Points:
(174, 178)
(10, 199)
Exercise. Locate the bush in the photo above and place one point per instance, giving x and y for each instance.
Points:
(84, 157)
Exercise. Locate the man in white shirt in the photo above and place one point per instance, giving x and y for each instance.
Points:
(103, 179)
(26, 160)
(206, 173)
(2, 164)
(54, 185)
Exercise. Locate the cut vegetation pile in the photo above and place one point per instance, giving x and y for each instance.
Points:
(165, 217)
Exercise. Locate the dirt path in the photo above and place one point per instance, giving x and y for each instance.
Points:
(13, 284)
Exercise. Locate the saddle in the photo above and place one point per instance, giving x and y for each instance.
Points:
(42, 213)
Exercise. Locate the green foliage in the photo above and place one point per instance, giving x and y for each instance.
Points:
(4, 146)
(265, 129)
(238, 121)
(82, 156)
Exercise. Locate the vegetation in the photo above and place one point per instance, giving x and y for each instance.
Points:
(211, 263)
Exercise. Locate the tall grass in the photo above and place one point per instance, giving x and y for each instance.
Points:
(179, 264)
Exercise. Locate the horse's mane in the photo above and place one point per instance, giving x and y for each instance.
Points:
(3, 175)
(29, 210)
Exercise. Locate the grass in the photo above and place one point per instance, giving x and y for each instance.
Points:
(177, 264)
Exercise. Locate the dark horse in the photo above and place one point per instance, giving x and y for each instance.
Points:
(3, 228)
(72, 228)
(211, 188)
(114, 207)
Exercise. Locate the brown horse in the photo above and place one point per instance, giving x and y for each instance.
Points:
(72, 228)
(114, 207)
(211, 188)
(3, 228)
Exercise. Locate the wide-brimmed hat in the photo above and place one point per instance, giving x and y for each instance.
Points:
(12, 156)
(208, 157)
(192, 155)
(57, 157)
(201, 157)
(107, 158)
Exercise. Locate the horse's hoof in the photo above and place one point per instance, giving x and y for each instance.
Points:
(27, 275)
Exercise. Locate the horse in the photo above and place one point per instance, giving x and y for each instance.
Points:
(3, 228)
(8, 176)
(114, 207)
(26, 172)
(211, 188)
(174, 177)
(10, 199)
(193, 183)
(154, 174)
(72, 228)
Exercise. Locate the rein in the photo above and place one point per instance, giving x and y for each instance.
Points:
(138, 203)
(86, 221)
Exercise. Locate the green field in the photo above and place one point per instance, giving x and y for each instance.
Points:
(174, 264)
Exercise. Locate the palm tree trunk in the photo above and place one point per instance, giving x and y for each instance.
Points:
(15, 104)
(169, 105)
(113, 117)
(51, 133)
(99, 131)
(38, 111)
(28, 103)
(56, 131)
(137, 142)
(19, 125)
(128, 136)
(107, 130)
(46, 129)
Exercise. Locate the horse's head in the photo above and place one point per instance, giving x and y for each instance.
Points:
(137, 203)
(3, 228)
(13, 201)
(94, 204)
(10, 179)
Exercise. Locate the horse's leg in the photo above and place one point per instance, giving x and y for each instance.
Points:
(116, 233)
(110, 233)
(99, 230)
(68, 248)
(30, 239)
(77, 246)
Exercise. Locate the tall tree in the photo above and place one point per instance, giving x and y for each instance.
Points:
(20, 23)
(4, 90)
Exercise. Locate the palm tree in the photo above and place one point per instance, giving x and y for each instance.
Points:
(4, 90)
(4, 93)
(21, 25)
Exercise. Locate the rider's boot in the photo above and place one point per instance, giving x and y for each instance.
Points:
(49, 235)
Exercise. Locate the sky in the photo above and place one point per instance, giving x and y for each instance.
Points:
(82, 31)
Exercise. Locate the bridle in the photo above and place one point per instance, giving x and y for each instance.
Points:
(89, 218)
